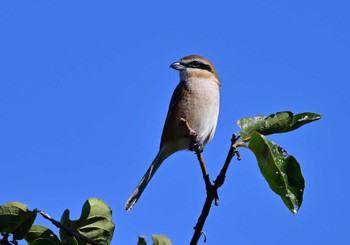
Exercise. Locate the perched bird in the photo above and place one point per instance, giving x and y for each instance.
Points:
(195, 99)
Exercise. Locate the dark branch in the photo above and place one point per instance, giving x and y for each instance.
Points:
(212, 193)
(212, 190)
(74, 232)
(5, 240)
(231, 153)
(197, 148)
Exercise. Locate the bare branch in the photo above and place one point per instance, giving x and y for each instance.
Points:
(197, 148)
(212, 193)
(212, 190)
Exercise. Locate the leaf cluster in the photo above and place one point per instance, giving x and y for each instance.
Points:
(95, 223)
(280, 169)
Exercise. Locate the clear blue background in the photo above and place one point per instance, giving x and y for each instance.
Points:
(84, 91)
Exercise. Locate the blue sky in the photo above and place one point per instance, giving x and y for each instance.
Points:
(84, 91)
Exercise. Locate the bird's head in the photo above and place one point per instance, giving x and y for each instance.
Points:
(195, 66)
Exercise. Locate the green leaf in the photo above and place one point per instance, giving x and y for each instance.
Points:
(281, 171)
(15, 218)
(43, 241)
(302, 119)
(280, 122)
(39, 235)
(161, 240)
(95, 222)
(72, 241)
(141, 241)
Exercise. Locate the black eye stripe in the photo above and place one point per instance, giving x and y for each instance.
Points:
(198, 65)
(195, 64)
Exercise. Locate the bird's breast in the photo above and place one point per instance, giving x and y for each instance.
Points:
(197, 101)
(201, 107)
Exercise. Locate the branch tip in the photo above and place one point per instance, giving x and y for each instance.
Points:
(205, 236)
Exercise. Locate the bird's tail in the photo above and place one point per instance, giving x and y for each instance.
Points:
(161, 156)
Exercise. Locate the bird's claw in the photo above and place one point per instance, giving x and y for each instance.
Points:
(195, 145)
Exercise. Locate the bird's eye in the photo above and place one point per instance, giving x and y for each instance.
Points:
(195, 64)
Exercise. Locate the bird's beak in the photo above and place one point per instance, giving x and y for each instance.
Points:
(177, 66)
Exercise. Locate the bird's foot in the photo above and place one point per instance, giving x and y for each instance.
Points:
(195, 145)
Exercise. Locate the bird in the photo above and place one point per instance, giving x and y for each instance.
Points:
(196, 99)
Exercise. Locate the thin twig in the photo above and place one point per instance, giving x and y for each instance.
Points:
(231, 153)
(205, 173)
(74, 232)
(198, 149)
